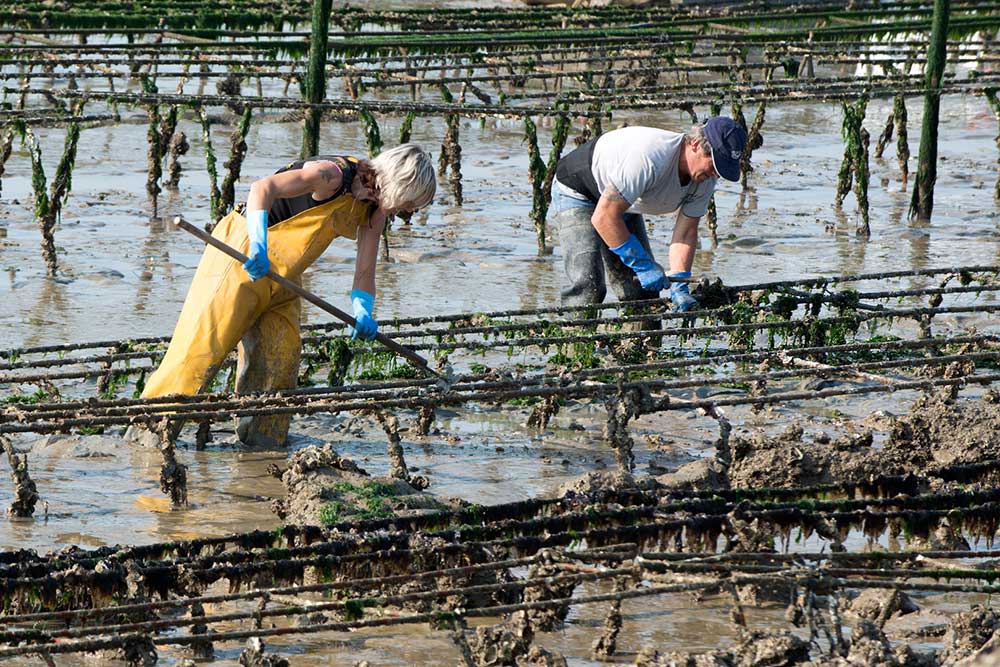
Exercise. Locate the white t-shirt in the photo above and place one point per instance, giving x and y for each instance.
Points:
(641, 163)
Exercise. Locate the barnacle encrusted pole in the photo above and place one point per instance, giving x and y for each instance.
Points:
(897, 121)
(172, 143)
(542, 174)
(173, 475)
(861, 184)
(215, 197)
(712, 213)
(451, 150)
(854, 168)
(603, 648)
(560, 132)
(48, 205)
(902, 140)
(922, 202)
(315, 83)
(886, 136)
(536, 175)
(25, 491)
(154, 156)
(845, 176)
(373, 136)
(712, 220)
(406, 127)
(179, 146)
(991, 96)
(734, 78)
(6, 145)
(168, 126)
(622, 407)
(754, 137)
(397, 464)
(754, 141)
(237, 152)
(405, 131)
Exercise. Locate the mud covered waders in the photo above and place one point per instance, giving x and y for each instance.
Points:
(587, 262)
(225, 307)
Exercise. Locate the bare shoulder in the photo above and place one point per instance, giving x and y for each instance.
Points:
(323, 173)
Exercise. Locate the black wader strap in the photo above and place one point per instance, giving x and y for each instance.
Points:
(575, 171)
(285, 208)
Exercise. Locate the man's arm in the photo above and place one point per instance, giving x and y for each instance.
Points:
(683, 243)
(682, 247)
(320, 177)
(609, 217)
(609, 221)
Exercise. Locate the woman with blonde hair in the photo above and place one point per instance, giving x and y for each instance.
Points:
(291, 217)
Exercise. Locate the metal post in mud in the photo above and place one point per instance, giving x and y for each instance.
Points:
(991, 96)
(315, 84)
(922, 202)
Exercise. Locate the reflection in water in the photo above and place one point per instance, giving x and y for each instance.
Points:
(50, 319)
(746, 206)
(850, 247)
(536, 275)
(919, 236)
(154, 249)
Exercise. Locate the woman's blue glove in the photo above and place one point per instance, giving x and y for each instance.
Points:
(681, 295)
(257, 264)
(635, 257)
(364, 304)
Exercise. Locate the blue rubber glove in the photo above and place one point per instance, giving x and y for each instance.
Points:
(364, 304)
(681, 295)
(258, 264)
(635, 257)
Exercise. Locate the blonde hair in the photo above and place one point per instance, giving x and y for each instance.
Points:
(404, 174)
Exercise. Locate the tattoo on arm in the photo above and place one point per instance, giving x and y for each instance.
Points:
(329, 173)
(612, 195)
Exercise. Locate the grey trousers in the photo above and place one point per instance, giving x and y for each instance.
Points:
(587, 260)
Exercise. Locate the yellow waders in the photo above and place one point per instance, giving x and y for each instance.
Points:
(224, 306)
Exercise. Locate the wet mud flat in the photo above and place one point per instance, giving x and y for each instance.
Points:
(650, 625)
(774, 575)
(834, 529)
(482, 533)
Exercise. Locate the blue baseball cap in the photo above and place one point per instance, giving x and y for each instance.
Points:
(727, 139)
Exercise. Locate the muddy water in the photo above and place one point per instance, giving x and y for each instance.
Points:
(123, 275)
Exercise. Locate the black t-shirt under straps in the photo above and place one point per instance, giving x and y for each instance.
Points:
(285, 208)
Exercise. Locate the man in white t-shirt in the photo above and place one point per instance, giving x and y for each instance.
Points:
(603, 188)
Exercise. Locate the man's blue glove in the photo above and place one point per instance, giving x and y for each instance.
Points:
(681, 295)
(635, 257)
(364, 304)
(257, 264)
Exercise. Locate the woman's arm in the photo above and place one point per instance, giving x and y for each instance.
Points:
(320, 177)
(369, 237)
(363, 294)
